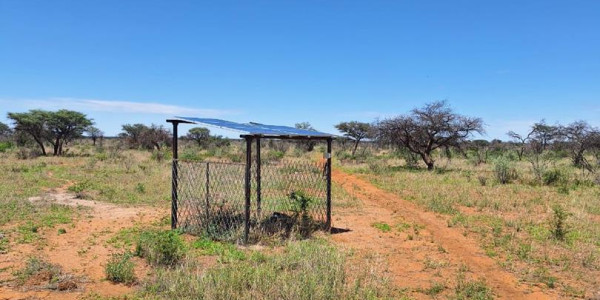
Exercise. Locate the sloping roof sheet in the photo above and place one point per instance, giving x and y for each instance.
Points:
(256, 128)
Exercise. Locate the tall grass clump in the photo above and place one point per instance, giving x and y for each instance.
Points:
(310, 269)
(120, 269)
(161, 247)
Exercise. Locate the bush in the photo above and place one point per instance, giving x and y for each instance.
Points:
(160, 247)
(482, 180)
(559, 222)
(273, 155)
(376, 166)
(119, 268)
(504, 170)
(5, 146)
(554, 176)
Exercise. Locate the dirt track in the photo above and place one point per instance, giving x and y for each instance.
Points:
(417, 258)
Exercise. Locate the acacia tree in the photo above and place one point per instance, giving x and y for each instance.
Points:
(56, 128)
(32, 123)
(94, 133)
(140, 135)
(520, 141)
(543, 135)
(428, 128)
(155, 136)
(308, 145)
(5, 131)
(133, 133)
(355, 130)
(581, 137)
(64, 126)
(199, 134)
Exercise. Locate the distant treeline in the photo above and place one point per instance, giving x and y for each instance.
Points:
(422, 132)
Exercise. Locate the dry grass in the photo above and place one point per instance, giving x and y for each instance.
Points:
(516, 222)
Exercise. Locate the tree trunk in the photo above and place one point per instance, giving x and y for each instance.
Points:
(41, 144)
(428, 160)
(355, 147)
(94, 141)
(56, 146)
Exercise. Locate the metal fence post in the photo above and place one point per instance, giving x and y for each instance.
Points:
(328, 222)
(247, 188)
(207, 190)
(258, 179)
(175, 179)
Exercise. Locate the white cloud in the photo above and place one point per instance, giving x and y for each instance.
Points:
(122, 107)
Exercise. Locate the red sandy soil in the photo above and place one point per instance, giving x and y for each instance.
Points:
(414, 259)
(82, 251)
(409, 260)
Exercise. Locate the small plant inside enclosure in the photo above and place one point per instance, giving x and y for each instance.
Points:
(120, 269)
(160, 247)
(300, 205)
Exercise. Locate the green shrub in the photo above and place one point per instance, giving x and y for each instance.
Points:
(274, 155)
(120, 268)
(5, 146)
(554, 176)
(160, 247)
(504, 170)
(559, 222)
(191, 155)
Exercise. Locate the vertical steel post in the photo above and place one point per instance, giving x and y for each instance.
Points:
(175, 178)
(328, 221)
(247, 187)
(207, 191)
(258, 179)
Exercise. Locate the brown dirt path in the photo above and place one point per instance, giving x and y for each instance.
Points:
(82, 251)
(417, 258)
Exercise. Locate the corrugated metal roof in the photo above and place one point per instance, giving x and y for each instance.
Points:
(256, 128)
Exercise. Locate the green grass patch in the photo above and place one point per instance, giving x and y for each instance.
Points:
(160, 247)
(310, 269)
(120, 269)
(383, 227)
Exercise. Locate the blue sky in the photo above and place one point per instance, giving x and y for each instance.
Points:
(280, 62)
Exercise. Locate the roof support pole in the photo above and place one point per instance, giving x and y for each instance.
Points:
(328, 156)
(247, 188)
(258, 180)
(175, 178)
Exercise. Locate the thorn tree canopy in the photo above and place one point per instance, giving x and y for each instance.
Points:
(428, 128)
(355, 130)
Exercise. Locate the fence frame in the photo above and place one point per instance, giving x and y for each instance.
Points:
(249, 138)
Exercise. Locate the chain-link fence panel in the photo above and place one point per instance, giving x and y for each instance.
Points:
(211, 199)
(288, 197)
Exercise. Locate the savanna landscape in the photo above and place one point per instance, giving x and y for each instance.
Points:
(420, 211)
(299, 150)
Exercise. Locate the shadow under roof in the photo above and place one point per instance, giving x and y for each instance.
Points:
(256, 129)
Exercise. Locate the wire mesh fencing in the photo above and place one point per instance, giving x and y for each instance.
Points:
(287, 197)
